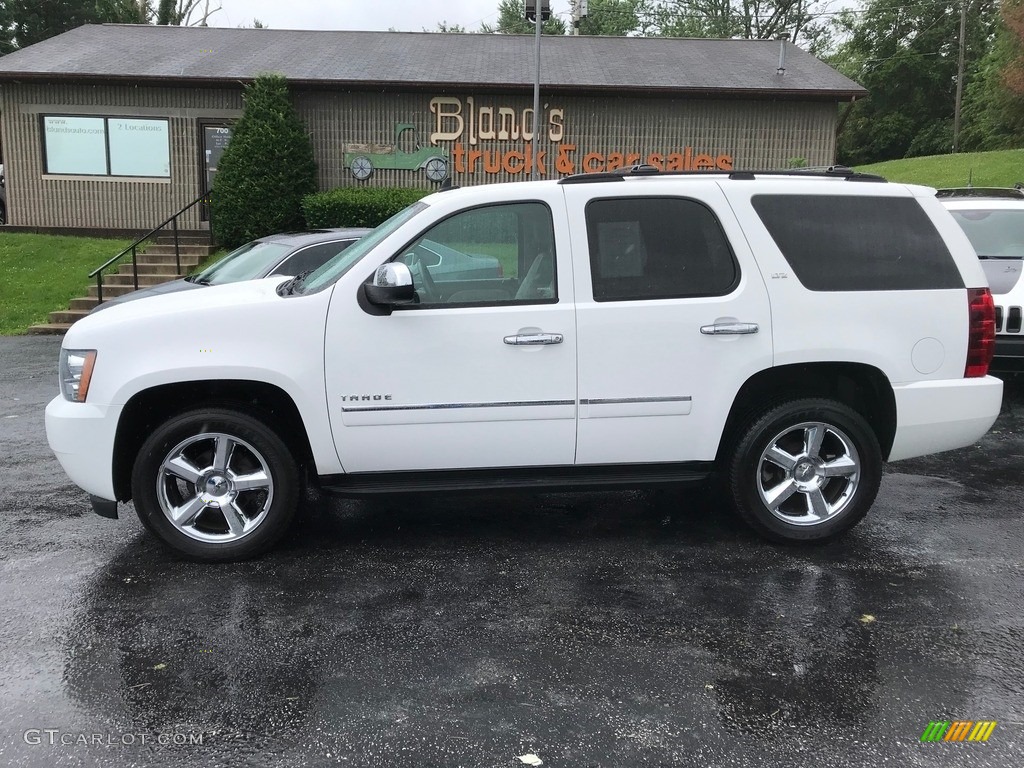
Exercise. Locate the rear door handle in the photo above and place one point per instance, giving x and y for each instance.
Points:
(533, 339)
(728, 329)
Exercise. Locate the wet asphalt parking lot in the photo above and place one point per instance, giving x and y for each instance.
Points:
(587, 629)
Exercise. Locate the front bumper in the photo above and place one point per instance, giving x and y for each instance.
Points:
(934, 416)
(82, 437)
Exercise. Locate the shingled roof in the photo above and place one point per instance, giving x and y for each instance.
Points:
(412, 60)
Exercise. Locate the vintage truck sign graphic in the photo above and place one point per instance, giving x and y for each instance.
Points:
(362, 159)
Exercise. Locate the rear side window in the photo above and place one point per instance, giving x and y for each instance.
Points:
(657, 248)
(846, 243)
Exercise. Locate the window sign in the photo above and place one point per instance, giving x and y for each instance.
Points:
(107, 146)
(75, 145)
(138, 147)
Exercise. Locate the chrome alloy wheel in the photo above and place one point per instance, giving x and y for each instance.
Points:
(808, 474)
(214, 487)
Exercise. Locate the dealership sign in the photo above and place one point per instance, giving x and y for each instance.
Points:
(465, 124)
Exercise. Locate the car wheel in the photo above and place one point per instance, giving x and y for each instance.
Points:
(806, 470)
(216, 485)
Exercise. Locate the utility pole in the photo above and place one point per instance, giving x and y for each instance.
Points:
(960, 77)
(538, 19)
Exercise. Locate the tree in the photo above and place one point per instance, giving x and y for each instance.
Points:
(25, 22)
(800, 20)
(906, 56)
(512, 21)
(993, 113)
(6, 30)
(266, 170)
(444, 26)
(612, 17)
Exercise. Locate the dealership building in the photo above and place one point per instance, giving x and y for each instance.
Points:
(116, 127)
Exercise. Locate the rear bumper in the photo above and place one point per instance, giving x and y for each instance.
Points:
(81, 435)
(934, 416)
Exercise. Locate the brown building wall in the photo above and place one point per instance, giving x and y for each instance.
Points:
(593, 132)
(586, 133)
(37, 199)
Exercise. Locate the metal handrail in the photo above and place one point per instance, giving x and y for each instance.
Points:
(133, 248)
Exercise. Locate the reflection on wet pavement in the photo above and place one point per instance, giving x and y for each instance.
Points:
(590, 629)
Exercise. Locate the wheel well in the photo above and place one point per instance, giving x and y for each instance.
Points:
(861, 387)
(146, 410)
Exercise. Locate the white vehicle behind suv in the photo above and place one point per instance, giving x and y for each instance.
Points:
(993, 220)
(790, 331)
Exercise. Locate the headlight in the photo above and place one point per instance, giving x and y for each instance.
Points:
(75, 373)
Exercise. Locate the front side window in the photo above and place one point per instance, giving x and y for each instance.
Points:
(657, 248)
(106, 146)
(490, 255)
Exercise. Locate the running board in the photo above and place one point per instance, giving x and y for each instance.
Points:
(518, 478)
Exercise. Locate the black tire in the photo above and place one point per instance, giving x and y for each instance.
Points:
(821, 503)
(253, 454)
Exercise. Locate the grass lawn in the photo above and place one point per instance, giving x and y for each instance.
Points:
(42, 273)
(984, 169)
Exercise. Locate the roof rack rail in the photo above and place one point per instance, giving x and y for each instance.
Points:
(1013, 193)
(831, 171)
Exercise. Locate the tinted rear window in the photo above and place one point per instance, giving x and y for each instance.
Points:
(846, 243)
(657, 248)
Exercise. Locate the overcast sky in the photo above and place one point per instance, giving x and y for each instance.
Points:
(404, 15)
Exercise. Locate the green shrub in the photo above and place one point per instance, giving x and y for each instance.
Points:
(356, 206)
(266, 170)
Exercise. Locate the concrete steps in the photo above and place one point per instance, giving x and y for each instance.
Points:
(158, 264)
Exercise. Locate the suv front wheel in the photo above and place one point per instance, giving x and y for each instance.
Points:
(216, 484)
(805, 470)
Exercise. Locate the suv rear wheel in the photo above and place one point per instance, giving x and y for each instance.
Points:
(216, 484)
(805, 470)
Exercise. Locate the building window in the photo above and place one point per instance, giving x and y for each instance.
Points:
(106, 146)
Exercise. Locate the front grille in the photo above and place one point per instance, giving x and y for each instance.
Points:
(1013, 320)
(999, 319)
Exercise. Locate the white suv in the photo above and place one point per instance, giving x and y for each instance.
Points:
(993, 220)
(790, 331)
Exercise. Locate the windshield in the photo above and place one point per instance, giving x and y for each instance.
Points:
(250, 261)
(330, 272)
(995, 234)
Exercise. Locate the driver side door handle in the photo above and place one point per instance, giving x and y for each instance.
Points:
(728, 329)
(533, 339)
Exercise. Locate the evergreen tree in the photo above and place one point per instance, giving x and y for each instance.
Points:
(266, 170)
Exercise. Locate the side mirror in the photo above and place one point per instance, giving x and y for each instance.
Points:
(391, 285)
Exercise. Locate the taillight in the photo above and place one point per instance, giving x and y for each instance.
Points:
(981, 338)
